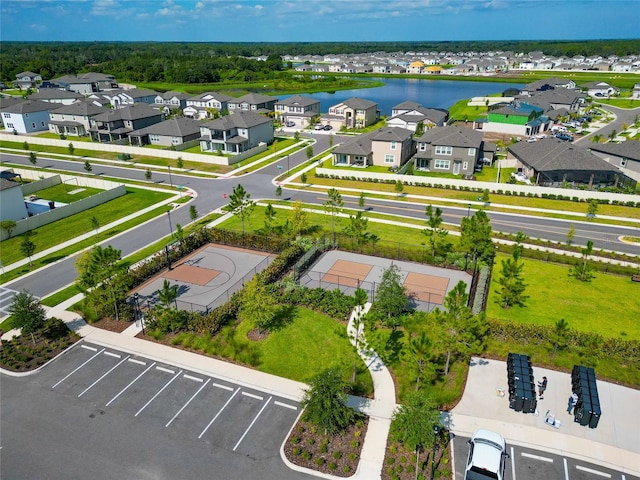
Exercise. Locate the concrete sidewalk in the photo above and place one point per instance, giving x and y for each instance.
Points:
(613, 444)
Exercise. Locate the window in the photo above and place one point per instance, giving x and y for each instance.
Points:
(440, 150)
(393, 145)
(465, 166)
(33, 124)
(6, 115)
(42, 123)
(9, 125)
(623, 162)
(423, 147)
(389, 159)
(472, 152)
(442, 164)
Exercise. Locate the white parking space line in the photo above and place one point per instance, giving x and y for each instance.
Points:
(159, 392)
(195, 379)
(132, 382)
(115, 355)
(537, 457)
(513, 464)
(251, 395)
(139, 362)
(188, 402)
(285, 405)
(162, 369)
(566, 469)
(87, 347)
(218, 414)
(251, 425)
(107, 373)
(78, 368)
(223, 387)
(595, 472)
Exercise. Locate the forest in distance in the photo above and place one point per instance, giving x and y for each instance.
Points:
(199, 63)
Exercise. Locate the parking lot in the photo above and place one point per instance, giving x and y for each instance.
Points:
(528, 464)
(187, 413)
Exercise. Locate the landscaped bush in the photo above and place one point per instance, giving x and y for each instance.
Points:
(333, 303)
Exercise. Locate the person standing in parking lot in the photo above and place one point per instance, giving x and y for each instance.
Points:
(542, 386)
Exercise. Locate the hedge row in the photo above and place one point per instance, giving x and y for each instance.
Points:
(333, 303)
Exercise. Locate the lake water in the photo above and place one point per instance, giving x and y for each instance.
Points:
(429, 93)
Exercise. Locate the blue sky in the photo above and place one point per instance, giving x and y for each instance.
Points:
(317, 20)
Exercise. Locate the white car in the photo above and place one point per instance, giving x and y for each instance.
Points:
(487, 453)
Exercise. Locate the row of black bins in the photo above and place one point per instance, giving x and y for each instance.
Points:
(583, 384)
(522, 389)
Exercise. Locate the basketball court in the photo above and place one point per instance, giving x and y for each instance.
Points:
(427, 285)
(206, 278)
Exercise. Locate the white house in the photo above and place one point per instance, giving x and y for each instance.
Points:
(27, 117)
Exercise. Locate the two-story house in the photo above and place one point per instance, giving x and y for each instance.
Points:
(449, 149)
(53, 95)
(236, 133)
(123, 98)
(599, 89)
(25, 80)
(410, 114)
(74, 119)
(354, 112)
(116, 125)
(625, 156)
(171, 101)
(84, 83)
(519, 118)
(27, 116)
(6, 102)
(252, 102)
(172, 132)
(389, 147)
(298, 110)
(207, 105)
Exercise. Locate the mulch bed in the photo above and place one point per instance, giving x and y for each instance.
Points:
(338, 455)
(400, 463)
(112, 325)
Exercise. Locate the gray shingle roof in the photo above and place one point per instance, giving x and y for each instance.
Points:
(362, 144)
(80, 108)
(408, 105)
(628, 149)
(239, 119)
(174, 127)
(359, 103)
(452, 136)
(29, 106)
(49, 93)
(254, 99)
(551, 154)
(221, 97)
(298, 100)
(7, 184)
(130, 112)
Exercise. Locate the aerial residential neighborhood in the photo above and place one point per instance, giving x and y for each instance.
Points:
(382, 261)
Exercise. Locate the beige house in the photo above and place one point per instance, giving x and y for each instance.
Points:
(387, 147)
(353, 113)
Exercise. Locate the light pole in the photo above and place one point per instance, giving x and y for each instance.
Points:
(170, 180)
(436, 431)
(287, 163)
(170, 227)
(137, 310)
(468, 210)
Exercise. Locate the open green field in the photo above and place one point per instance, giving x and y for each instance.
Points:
(61, 192)
(609, 305)
(68, 228)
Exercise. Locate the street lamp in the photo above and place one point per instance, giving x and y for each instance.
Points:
(468, 210)
(287, 163)
(436, 431)
(137, 310)
(170, 227)
(170, 180)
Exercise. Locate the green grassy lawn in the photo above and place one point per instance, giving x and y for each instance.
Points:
(461, 112)
(68, 228)
(490, 174)
(61, 193)
(71, 138)
(621, 102)
(609, 305)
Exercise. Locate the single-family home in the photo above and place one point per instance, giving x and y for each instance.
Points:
(115, 125)
(389, 147)
(635, 93)
(518, 118)
(6, 102)
(27, 116)
(354, 112)
(599, 89)
(297, 109)
(236, 133)
(410, 114)
(54, 95)
(12, 206)
(171, 100)
(252, 102)
(571, 100)
(84, 83)
(552, 162)
(449, 149)
(74, 119)
(172, 132)
(624, 155)
(551, 83)
(25, 80)
(207, 105)
(123, 98)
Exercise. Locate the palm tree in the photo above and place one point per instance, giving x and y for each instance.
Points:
(168, 294)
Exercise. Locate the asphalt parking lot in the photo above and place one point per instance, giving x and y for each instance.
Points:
(528, 464)
(133, 406)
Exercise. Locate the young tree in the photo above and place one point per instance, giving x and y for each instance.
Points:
(462, 332)
(361, 200)
(309, 152)
(25, 145)
(27, 312)
(413, 423)
(8, 226)
(95, 223)
(560, 335)
(179, 233)
(475, 238)
(296, 136)
(87, 166)
(240, 205)
(168, 294)
(33, 158)
(592, 208)
(435, 232)
(71, 149)
(278, 191)
(417, 354)
(325, 402)
(148, 174)
(571, 233)
(485, 196)
(27, 247)
(333, 205)
(583, 271)
(331, 139)
(399, 187)
(357, 228)
(257, 306)
(303, 177)
(299, 218)
(179, 162)
(419, 129)
(193, 213)
(269, 216)
(391, 299)
(510, 281)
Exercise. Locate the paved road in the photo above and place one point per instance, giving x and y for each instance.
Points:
(100, 413)
(528, 464)
(623, 116)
